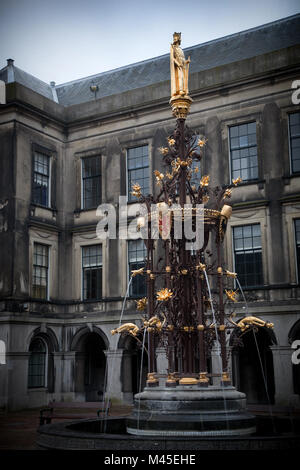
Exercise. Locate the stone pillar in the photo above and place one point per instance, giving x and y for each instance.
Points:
(114, 368)
(216, 363)
(57, 360)
(283, 376)
(161, 362)
(68, 375)
(127, 377)
(229, 356)
(17, 383)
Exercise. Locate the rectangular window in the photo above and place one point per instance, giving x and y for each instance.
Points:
(243, 151)
(294, 131)
(136, 260)
(138, 170)
(196, 175)
(91, 182)
(40, 271)
(297, 238)
(92, 272)
(41, 176)
(248, 255)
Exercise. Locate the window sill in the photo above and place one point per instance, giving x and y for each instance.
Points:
(34, 207)
(44, 301)
(270, 287)
(78, 212)
(287, 178)
(37, 389)
(260, 183)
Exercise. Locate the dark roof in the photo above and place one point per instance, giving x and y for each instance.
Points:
(243, 45)
(24, 78)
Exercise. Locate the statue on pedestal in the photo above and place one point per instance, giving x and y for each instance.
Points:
(179, 68)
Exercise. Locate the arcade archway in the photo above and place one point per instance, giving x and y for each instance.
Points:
(252, 366)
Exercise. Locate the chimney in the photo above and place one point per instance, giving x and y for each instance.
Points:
(10, 62)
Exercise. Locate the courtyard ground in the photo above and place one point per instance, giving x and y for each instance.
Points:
(18, 428)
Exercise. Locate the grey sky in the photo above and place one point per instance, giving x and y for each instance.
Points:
(63, 40)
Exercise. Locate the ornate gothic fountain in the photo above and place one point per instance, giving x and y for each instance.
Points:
(188, 310)
(181, 315)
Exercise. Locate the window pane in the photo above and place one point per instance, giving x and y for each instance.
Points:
(40, 271)
(92, 272)
(91, 182)
(40, 193)
(136, 260)
(248, 254)
(294, 127)
(294, 118)
(243, 151)
(138, 169)
(37, 364)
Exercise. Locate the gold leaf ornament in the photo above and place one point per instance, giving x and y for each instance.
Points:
(164, 294)
(136, 190)
(204, 181)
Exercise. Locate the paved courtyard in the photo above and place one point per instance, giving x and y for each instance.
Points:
(18, 429)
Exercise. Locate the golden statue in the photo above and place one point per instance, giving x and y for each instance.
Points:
(155, 322)
(129, 328)
(136, 272)
(245, 323)
(179, 68)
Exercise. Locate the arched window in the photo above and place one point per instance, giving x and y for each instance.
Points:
(37, 363)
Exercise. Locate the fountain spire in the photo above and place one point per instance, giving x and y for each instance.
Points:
(190, 297)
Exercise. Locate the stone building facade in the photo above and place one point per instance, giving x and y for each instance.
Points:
(65, 149)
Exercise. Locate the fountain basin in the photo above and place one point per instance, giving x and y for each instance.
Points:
(190, 411)
(88, 435)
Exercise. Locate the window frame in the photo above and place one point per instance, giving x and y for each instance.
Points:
(83, 247)
(292, 173)
(99, 176)
(48, 270)
(297, 262)
(45, 374)
(237, 124)
(132, 199)
(256, 286)
(135, 296)
(48, 154)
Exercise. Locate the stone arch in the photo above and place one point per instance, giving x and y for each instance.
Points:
(48, 336)
(90, 371)
(77, 338)
(236, 333)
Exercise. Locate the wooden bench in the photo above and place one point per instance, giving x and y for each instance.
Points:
(48, 414)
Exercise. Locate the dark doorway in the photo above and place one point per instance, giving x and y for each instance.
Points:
(252, 363)
(94, 367)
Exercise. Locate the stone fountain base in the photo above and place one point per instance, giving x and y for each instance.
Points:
(188, 410)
